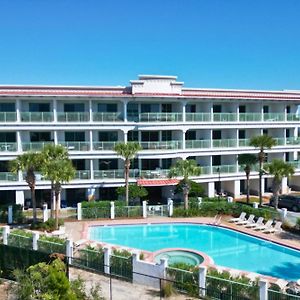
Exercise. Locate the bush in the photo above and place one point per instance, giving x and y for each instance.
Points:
(48, 226)
(121, 264)
(18, 215)
(135, 192)
(92, 257)
(196, 189)
(51, 244)
(20, 238)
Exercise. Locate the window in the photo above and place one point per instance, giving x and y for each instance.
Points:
(40, 136)
(216, 160)
(7, 107)
(7, 137)
(242, 109)
(288, 109)
(108, 164)
(108, 136)
(265, 109)
(79, 164)
(166, 135)
(71, 136)
(133, 136)
(148, 108)
(74, 107)
(39, 107)
(217, 134)
(242, 134)
(166, 108)
(191, 108)
(149, 136)
(190, 135)
(111, 107)
(217, 108)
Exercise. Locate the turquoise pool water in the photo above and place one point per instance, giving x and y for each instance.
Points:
(177, 256)
(226, 247)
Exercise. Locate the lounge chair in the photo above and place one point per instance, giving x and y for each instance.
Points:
(249, 221)
(264, 227)
(259, 222)
(240, 218)
(276, 228)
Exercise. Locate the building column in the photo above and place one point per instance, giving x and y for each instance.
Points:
(20, 199)
(183, 139)
(236, 188)
(91, 140)
(183, 111)
(55, 137)
(125, 110)
(125, 136)
(18, 110)
(19, 142)
(211, 189)
(92, 169)
(55, 110)
(91, 111)
(284, 186)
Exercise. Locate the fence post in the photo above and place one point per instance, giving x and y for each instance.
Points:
(79, 211)
(10, 215)
(6, 231)
(170, 207)
(69, 250)
(202, 281)
(283, 214)
(144, 209)
(263, 289)
(255, 205)
(107, 254)
(45, 212)
(112, 210)
(35, 238)
(199, 201)
(164, 264)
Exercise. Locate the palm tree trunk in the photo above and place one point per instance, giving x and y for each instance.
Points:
(33, 200)
(52, 199)
(56, 209)
(127, 165)
(186, 198)
(261, 159)
(276, 189)
(248, 186)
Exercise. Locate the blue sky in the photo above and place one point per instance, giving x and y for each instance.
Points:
(206, 43)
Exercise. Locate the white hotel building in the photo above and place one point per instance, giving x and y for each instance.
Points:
(170, 122)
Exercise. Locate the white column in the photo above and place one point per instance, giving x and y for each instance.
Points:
(183, 139)
(91, 140)
(211, 189)
(45, 212)
(284, 186)
(112, 210)
(164, 264)
(35, 237)
(79, 211)
(262, 185)
(10, 215)
(125, 136)
(237, 188)
(263, 289)
(55, 110)
(144, 209)
(55, 137)
(91, 110)
(183, 111)
(92, 169)
(125, 110)
(107, 254)
(170, 207)
(20, 197)
(283, 214)
(19, 141)
(18, 110)
(6, 231)
(202, 280)
(69, 250)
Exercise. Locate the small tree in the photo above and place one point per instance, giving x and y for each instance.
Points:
(247, 161)
(30, 163)
(262, 142)
(58, 171)
(196, 189)
(185, 169)
(279, 169)
(128, 152)
(135, 192)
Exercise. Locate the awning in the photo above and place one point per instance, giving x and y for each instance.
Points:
(157, 182)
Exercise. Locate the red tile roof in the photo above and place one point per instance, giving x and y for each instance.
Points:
(157, 182)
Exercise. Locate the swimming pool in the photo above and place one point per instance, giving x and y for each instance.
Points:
(226, 247)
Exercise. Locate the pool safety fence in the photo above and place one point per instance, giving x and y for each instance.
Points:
(145, 275)
(20, 241)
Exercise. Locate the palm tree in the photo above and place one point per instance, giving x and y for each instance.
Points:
(247, 161)
(127, 151)
(58, 171)
(29, 162)
(262, 142)
(279, 169)
(185, 168)
(49, 153)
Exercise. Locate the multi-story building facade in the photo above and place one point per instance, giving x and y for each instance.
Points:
(170, 122)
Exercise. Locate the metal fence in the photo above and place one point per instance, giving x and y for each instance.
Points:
(121, 266)
(51, 247)
(128, 211)
(89, 259)
(277, 295)
(19, 241)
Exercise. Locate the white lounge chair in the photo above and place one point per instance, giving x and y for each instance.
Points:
(276, 228)
(259, 222)
(264, 227)
(240, 218)
(249, 221)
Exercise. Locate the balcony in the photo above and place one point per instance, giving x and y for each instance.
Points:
(160, 117)
(8, 176)
(293, 117)
(73, 117)
(76, 146)
(99, 146)
(35, 146)
(8, 147)
(198, 117)
(82, 174)
(166, 145)
(107, 117)
(153, 174)
(8, 117)
(36, 116)
(250, 117)
(225, 117)
(224, 169)
(114, 174)
(292, 141)
(274, 117)
(192, 144)
(224, 143)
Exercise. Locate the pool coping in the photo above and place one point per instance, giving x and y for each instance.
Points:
(200, 221)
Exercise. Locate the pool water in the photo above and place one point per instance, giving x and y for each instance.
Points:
(177, 256)
(226, 247)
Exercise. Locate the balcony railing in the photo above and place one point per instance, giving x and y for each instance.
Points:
(73, 117)
(107, 117)
(191, 144)
(226, 143)
(198, 117)
(36, 116)
(8, 176)
(98, 146)
(152, 174)
(274, 117)
(76, 146)
(160, 117)
(224, 169)
(82, 174)
(225, 117)
(8, 147)
(8, 117)
(250, 117)
(35, 146)
(292, 117)
(292, 141)
(166, 145)
(114, 174)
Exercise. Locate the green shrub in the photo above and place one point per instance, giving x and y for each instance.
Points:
(121, 264)
(92, 258)
(167, 289)
(51, 244)
(18, 215)
(20, 238)
(49, 225)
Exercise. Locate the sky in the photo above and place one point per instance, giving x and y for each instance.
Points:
(243, 44)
